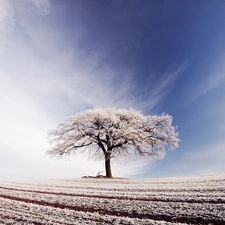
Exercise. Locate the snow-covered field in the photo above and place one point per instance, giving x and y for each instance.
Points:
(190, 200)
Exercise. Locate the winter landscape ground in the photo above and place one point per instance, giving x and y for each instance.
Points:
(183, 200)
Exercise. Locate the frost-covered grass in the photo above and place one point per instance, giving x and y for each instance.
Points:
(192, 200)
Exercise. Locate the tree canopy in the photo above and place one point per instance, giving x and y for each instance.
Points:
(107, 133)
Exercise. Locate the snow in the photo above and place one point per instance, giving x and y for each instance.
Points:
(115, 131)
(168, 201)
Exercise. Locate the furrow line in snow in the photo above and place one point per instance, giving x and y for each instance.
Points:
(216, 200)
(9, 220)
(143, 190)
(133, 214)
(56, 216)
(22, 217)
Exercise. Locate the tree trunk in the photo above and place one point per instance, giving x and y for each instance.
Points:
(108, 165)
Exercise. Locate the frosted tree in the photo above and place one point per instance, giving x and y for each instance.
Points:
(111, 133)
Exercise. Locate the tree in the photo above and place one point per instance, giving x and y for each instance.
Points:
(114, 133)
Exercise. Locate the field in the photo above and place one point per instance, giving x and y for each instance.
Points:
(191, 200)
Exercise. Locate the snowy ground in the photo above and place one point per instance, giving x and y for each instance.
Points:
(192, 200)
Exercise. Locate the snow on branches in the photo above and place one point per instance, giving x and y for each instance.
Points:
(114, 132)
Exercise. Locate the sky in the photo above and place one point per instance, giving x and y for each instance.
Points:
(58, 58)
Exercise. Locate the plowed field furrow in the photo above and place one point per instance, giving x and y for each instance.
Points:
(15, 220)
(133, 214)
(46, 215)
(111, 201)
(21, 216)
(166, 198)
(129, 190)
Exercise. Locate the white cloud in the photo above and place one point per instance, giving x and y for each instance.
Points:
(6, 16)
(42, 5)
(207, 159)
(7, 22)
(43, 80)
(213, 79)
(162, 87)
(129, 168)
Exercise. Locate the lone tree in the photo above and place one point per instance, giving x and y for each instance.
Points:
(114, 133)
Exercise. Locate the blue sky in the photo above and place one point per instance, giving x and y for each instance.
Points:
(58, 58)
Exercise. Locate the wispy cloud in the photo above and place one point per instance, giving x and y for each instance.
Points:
(6, 16)
(209, 159)
(162, 87)
(130, 168)
(43, 79)
(42, 5)
(72, 76)
(43, 64)
(204, 159)
(214, 78)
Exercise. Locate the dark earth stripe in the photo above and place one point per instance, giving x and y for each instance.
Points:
(191, 220)
(152, 199)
